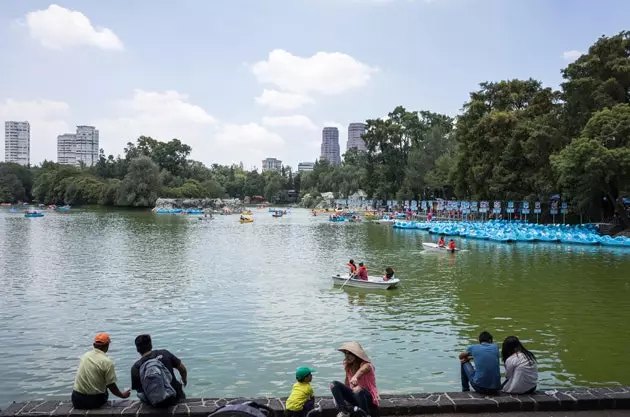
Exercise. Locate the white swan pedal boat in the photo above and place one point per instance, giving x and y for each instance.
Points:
(434, 247)
(371, 283)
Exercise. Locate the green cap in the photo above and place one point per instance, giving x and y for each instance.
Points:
(303, 372)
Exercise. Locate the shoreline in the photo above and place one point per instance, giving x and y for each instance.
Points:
(573, 399)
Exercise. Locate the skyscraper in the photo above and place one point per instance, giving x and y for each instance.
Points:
(330, 145)
(17, 142)
(66, 149)
(86, 145)
(355, 140)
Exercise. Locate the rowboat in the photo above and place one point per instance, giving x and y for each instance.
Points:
(372, 282)
(246, 220)
(434, 247)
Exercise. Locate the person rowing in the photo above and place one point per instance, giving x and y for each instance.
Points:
(451, 246)
(441, 242)
(353, 267)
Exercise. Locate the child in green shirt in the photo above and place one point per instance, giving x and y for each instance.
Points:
(302, 398)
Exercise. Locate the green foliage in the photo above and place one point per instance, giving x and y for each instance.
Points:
(141, 185)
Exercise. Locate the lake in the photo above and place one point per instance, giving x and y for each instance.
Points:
(243, 305)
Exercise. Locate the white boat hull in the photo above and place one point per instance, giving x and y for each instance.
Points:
(371, 283)
(434, 247)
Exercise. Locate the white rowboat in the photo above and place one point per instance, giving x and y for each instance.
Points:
(371, 283)
(434, 247)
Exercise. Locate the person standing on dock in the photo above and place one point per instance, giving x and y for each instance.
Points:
(95, 376)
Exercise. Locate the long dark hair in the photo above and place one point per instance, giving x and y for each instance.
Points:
(511, 345)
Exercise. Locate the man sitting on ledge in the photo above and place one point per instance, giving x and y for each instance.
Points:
(152, 376)
(95, 376)
(486, 378)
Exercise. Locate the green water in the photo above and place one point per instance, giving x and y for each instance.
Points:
(244, 305)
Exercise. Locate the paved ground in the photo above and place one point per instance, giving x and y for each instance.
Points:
(598, 413)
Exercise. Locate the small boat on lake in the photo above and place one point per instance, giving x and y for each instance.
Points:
(33, 214)
(374, 283)
(434, 247)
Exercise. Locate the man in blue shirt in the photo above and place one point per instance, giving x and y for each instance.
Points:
(486, 377)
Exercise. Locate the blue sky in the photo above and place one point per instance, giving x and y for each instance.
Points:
(198, 70)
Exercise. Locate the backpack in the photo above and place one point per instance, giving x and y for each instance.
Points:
(155, 379)
(246, 409)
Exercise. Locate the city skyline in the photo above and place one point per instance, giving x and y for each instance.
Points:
(293, 67)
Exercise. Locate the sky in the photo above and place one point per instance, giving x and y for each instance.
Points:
(242, 80)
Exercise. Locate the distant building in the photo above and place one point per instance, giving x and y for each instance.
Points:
(355, 139)
(306, 166)
(86, 145)
(330, 145)
(79, 147)
(66, 149)
(271, 164)
(17, 142)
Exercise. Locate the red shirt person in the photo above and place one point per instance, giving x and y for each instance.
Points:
(362, 272)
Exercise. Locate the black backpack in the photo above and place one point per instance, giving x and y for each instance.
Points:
(246, 409)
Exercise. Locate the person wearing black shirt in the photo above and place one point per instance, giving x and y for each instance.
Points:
(144, 347)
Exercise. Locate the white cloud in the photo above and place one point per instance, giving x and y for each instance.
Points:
(283, 101)
(571, 55)
(58, 28)
(167, 115)
(47, 119)
(324, 72)
(298, 121)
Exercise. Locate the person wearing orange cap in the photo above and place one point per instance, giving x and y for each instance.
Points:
(96, 375)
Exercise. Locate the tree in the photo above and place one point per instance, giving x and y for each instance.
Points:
(141, 185)
(595, 168)
(596, 80)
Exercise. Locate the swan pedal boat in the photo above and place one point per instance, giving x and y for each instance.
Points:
(371, 283)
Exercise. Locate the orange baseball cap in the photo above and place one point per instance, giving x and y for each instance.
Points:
(102, 339)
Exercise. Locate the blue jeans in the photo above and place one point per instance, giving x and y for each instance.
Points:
(468, 375)
(346, 399)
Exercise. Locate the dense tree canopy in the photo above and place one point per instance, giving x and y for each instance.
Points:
(514, 139)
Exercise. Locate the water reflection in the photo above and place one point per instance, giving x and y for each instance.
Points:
(244, 305)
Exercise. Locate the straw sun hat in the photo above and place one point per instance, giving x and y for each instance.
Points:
(356, 349)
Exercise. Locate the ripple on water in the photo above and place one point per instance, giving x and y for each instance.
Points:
(244, 305)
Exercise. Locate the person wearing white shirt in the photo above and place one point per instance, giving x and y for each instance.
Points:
(521, 371)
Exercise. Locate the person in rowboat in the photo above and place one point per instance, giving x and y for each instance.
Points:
(353, 267)
(441, 242)
(389, 274)
(451, 246)
(362, 272)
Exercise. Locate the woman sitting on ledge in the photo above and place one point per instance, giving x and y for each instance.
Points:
(359, 388)
(521, 372)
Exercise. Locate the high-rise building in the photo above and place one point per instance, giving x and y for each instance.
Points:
(271, 164)
(330, 145)
(86, 145)
(306, 166)
(17, 142)
(80, 147)
(66, 149)
(355, 139)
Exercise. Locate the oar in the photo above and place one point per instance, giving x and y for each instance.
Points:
(344, 284)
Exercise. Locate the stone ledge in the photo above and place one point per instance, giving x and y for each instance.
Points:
(391, 405)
